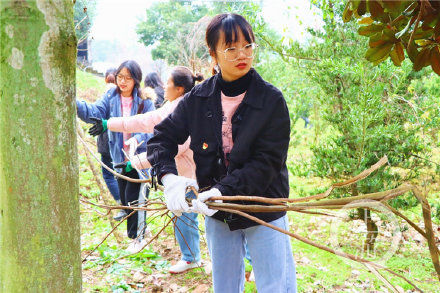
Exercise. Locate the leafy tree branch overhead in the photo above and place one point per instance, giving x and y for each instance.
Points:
(394, 27)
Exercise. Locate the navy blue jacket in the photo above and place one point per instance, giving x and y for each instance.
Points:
(110, 106)
(257, 161)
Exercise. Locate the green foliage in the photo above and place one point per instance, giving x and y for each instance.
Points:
(167, 26)
(397, 26)
(436, 211)
(83, 14)
(370, 110)
(425, 91)
(368, 107)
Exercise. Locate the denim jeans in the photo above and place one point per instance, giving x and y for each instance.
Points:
(187, 233)
(131, 193)
(109, 178)
(270, 250)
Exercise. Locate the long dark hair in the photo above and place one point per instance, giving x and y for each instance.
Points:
(135, 72)
(182, 76)
(229, 23)
(153, 80)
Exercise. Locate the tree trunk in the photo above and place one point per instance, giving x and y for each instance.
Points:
(372, 229)
(39, 211)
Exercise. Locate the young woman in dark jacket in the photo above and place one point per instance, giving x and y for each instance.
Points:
(240, 128)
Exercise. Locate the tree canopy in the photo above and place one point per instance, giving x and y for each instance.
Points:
(166, 26)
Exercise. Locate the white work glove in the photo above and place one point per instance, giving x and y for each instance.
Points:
(132, 144)
(174, 191)
(199, 206)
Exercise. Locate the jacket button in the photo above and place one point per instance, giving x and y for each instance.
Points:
(209, 114)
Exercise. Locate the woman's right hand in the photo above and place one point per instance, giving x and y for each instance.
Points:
(99, 126)
(175, 190)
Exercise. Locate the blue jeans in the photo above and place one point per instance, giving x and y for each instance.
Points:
(187, 233)
(109, 178)
(270, 250)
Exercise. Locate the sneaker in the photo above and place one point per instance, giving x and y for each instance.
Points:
(182, 266)
(136, 246)
(122, 214)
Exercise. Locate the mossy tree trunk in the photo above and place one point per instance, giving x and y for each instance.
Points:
(39, 211)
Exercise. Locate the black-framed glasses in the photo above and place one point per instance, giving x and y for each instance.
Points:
(232, 53)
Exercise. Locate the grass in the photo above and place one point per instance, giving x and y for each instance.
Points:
(87, 81)
(317, 270)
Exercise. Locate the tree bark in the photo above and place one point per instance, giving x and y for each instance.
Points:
(39, 210)
(372, 229)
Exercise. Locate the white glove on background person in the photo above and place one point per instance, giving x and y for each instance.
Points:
(132, 143)
(199, 206)
(174, 191)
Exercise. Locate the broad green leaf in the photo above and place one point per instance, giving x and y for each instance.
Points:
(362, 8)
(423, 42)
(395, 56)
(370, 30)
(422, 59)
(354, 4)
(399, 50)
(421, 34)
(437, 29)
(392, 5)
(412, 51)
(376, 40)
(346, 16)
(435, 60)
(366, 20)
(375, 54)
(377, 62)
(376, 10)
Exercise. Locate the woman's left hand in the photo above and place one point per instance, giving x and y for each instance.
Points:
(99, 126)
(199, 206)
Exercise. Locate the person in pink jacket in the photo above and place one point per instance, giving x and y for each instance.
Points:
(181, 81)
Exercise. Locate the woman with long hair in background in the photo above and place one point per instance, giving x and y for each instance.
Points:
(123, 101)
(180, 82)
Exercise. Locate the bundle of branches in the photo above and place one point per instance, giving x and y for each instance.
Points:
(314, 205)
(319, 202)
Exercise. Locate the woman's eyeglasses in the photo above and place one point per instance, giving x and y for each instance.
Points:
(232, 54)
(121, 77)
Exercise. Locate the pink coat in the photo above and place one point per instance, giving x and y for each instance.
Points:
(145, 123)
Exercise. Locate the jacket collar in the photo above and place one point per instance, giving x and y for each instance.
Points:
(254, 96)
(114, 93)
